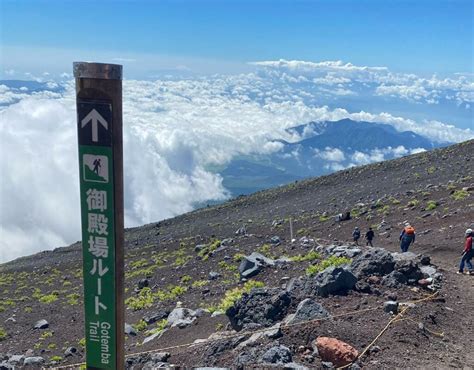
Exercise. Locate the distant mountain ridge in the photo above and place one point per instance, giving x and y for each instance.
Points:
(322, 148)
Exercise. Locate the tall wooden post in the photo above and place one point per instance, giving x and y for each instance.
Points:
(99, 128)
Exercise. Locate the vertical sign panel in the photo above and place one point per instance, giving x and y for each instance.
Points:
(99, 128)
(97, 204)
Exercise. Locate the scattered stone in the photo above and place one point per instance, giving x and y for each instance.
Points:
(390, 307)
(241, 231)
(374, 279)
(10, 319)
(343, 251)
(129, 330)
(227, 242)
(428, 271)
(275, 240)
(425, 260)
(41, 324)
(16, 360)
(375, 261)
(199, 247)
(276, 223)
(70, 351)
(277, 355)
(261, 306)
(181, 317)
(214, 275)
(153, 336)
(336, 351)
(425, 282)
(34, 361)
(307, 310)
(253, 264)
(155, 317)
(143, 283)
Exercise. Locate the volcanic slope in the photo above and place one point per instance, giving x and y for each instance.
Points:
(432, 190)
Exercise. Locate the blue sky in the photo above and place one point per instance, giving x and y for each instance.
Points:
(416, 36)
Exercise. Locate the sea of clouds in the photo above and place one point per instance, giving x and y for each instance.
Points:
(176, 129)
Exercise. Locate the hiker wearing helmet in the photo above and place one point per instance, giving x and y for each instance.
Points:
(356, 235)
(407, 236)
(467, 254)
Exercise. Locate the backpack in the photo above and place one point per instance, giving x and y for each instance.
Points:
(409, 230)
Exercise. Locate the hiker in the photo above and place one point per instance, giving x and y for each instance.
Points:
(356, 235)
(369, 236)
(407, 236)
(467, 254)
(96, 165)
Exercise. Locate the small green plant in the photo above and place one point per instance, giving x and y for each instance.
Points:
(199, 283)
(67, 283)
(46, 334)
(208, 249)
(384, 209)
(431, 170)
(160, 326)
(56, 358)
(413, 203)
(451, 186)
(3, 334)
(310, 256)
(144, 299)
(332, 261)
(73, 299)
(394, 201)
(51, 346)
(186, 279)
(82, 342)
(235, 294)
(238, 257)
(323, 218)
(430, 205)
(219, 326)
(49, 298)
(302, 231)
(460, 194)
(135, 265)
(141, 325)
(227, 267)
(28, 309)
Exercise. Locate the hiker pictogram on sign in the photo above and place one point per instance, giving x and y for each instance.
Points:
(96, 168)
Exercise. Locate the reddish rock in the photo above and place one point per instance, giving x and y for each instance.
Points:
(374, 279)
(424, 282)
(336, 351)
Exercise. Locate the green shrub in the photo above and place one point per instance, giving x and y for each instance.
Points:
(56, 358)
(208, 249)
(460, 194)
(82, 342)
(328, 262)
(323, 218)
(413, 203)
(199, 283)
(227, 267)
(235, 294)
(140, 326)
(310, 256)
(139, 264)
(160, 326)
(186, 279)
(430, 205)
(51, 346)
(144, 299)
(3, 334)
(238, 257)
(49, 298)
(73, 299)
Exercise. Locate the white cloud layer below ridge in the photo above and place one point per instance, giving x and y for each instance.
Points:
(173, 131)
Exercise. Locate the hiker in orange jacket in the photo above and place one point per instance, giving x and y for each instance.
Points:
(467, 254)
(407, 237)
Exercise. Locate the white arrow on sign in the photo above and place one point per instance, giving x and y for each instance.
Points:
(94, 117)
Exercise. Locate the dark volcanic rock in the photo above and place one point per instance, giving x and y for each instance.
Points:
(155, 317)
(410, 270)
(375, 261)
(277, 355)
(394, 280)
(41, 324)
(307, 309)
(261, 306)
(253, 264)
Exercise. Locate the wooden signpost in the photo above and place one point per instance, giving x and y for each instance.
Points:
(99, 130)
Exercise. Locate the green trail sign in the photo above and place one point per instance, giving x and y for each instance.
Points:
(102, 254)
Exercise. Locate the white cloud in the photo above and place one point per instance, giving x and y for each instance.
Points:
(173, 130)
(330, 154)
